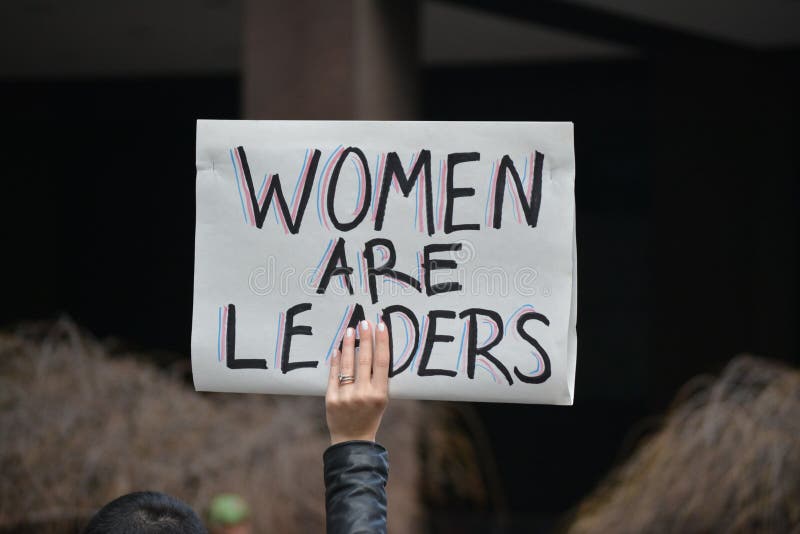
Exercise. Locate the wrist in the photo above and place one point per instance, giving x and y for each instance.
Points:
(341, 438)
(358, 451)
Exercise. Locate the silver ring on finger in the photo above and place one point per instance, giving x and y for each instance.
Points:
(346, 379)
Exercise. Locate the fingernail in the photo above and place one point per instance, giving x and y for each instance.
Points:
(349, 332)
(381, 326)
(364, 325)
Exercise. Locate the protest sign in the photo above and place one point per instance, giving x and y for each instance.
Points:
(460, 236)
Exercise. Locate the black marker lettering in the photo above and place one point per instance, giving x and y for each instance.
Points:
(356, 317)
(431, 338)
(291, 330)
(454, 192)
(385, 269)
(274, 190)
(524, 318)
(386, 316)
(394, 168)
(472, 342)
(367, 198)
(230, 346)
(336, 266)
(430, 265)
(530, 206)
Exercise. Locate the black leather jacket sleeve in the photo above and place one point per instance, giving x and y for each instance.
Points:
(356, 473)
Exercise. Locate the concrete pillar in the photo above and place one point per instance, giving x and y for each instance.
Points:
(347, 59)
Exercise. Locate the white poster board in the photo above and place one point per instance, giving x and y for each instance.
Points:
(460, 235)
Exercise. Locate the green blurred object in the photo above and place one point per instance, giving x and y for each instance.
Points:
(228, 509)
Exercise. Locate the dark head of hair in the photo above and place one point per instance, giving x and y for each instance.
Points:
(145, 512)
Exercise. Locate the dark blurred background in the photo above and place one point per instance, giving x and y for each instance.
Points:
(686, 139)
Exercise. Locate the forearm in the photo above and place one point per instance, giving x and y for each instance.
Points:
(356, 473)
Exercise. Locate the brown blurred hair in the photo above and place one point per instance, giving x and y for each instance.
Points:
(727, 459)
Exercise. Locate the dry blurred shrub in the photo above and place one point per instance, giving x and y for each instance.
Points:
(460, 484)
(78, 428)
(727, 459)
